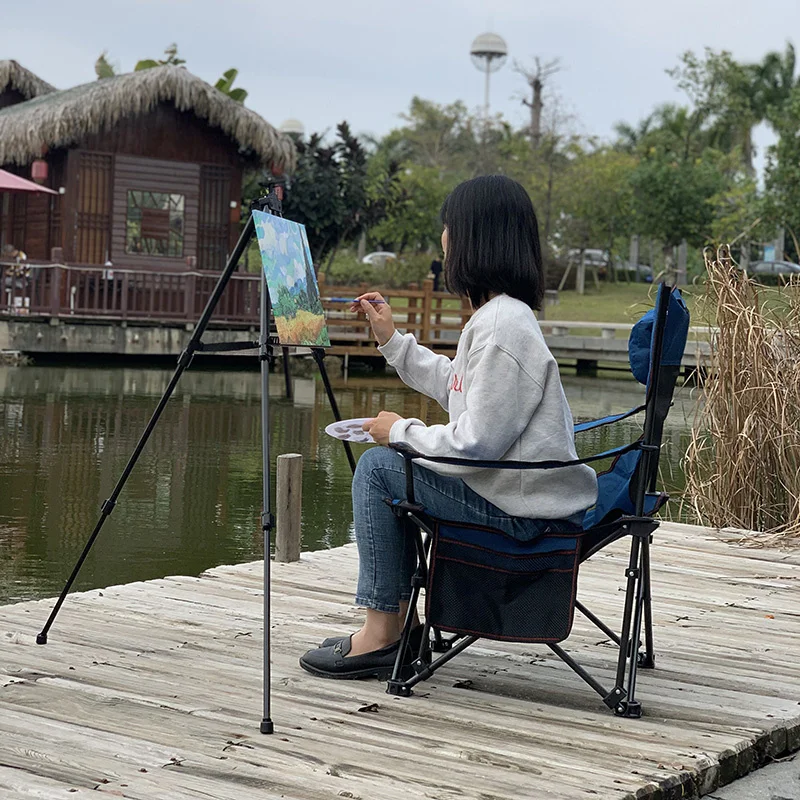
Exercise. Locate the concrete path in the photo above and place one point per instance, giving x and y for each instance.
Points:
(778, 781)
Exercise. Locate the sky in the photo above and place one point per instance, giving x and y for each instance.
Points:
(323, 61)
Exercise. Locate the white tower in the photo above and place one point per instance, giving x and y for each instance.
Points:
(293, 127)
(489, 53)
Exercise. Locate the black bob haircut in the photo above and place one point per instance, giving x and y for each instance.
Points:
(492, 242)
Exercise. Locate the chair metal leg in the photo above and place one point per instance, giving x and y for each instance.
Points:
(647, 660)
(592, 617)
(632, 708)
(628, 660)
(400, 661)
(403, 688)
(441, 644)
(611, 699)
(418, 580)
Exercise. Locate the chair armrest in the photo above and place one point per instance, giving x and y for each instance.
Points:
(596, 423)
(410, 454)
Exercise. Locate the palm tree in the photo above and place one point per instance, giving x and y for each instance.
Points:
(630, 137)
(754, 92)
(777, 73)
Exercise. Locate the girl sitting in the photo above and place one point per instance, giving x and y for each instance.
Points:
(505, 401)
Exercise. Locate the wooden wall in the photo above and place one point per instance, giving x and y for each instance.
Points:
(154, 175)
(168, 134)
(32, 221)
(165, 150)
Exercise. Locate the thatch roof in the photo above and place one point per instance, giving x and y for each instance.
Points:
(62, 118)
(15, 76)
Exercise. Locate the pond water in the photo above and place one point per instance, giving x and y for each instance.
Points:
(194, 499)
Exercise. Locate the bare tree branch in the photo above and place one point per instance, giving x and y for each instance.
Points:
(536, 77)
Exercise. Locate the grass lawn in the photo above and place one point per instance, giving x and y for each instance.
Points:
(613, 302)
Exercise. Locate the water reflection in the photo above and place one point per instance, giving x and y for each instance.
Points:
(194, 499)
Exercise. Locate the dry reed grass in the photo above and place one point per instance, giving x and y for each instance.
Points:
(743, 458)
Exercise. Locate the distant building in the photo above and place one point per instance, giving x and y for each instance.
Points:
(148, 167)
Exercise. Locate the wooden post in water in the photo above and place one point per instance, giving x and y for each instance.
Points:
(288, 507)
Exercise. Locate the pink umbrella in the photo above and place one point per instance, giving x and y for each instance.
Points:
(13, 183)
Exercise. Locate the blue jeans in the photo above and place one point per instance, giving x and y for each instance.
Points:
(386, 553)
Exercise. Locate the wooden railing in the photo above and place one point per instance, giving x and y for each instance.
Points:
(84, 293)
(57, 290)
(435, 318)
(89, 293)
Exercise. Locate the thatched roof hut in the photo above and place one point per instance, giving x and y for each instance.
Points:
(148, 167)
(53, 119)
(15, 79)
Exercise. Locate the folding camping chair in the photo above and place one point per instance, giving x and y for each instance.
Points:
(481, 583)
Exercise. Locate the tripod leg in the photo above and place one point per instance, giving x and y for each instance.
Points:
(183, 362)
(266, 518)
(287, 375)
(319, 357)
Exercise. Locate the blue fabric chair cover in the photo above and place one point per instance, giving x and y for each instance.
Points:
(640, 343)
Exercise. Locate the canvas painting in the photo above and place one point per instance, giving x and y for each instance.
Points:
(293, 289)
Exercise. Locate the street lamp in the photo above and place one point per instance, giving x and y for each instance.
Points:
(489, 53)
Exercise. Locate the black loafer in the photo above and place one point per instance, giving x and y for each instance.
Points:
(415, 640)
(331, 662)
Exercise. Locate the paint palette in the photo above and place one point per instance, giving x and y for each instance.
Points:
(349, 430)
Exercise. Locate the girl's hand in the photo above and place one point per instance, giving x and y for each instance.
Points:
(379, 427)
(379, 316)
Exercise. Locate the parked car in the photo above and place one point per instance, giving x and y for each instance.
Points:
(775, 268)
(379, 258)
(591, 257)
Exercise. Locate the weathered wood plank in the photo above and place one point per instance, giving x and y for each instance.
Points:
(172, 668)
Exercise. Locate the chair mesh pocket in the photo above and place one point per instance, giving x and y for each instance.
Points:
(482, 582)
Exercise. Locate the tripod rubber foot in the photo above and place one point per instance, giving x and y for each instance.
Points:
(41, 638)
(267, 726)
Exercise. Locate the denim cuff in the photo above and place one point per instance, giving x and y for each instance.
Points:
(386, 608)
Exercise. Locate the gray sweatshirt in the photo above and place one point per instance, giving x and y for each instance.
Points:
(505, 401)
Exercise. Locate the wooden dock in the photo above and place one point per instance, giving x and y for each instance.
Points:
(152, 691)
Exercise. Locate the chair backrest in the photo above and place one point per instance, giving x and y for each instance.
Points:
(655, 349)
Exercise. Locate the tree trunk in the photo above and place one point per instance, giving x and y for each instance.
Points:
(580, 277)
(669, 261)
(680, 273)
(536, 115)
(747, 149)
(548, 202)
(633, 258)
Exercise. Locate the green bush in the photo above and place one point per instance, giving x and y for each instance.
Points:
(412, 268)
(347, 270)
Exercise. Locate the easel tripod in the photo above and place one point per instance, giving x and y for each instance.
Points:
(266, 346)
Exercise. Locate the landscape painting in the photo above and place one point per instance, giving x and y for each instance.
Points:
(293, 289)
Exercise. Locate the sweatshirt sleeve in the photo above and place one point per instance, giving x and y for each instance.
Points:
(419, 367)
(500, 399)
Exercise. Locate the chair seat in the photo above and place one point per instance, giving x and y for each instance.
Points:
(482, 582)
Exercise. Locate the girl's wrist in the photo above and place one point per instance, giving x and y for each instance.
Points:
(385, 340)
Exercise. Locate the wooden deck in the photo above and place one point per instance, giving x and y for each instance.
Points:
(152, 691)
